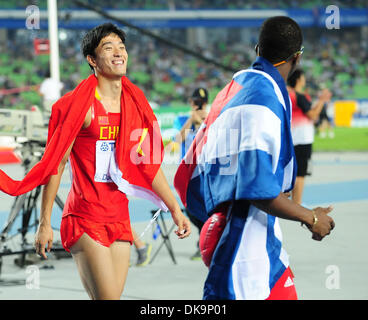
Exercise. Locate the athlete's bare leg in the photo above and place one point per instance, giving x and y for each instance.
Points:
(102, 270)
(297, 193)
(120, 253)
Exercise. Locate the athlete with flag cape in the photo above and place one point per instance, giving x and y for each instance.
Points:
(107, 129)
(240, 165)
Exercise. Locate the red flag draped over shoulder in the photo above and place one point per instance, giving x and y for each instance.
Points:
(188, 164)
(138, 129)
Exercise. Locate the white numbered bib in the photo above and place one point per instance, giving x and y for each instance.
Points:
(105, 149)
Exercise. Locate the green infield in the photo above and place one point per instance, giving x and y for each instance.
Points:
(345, 139)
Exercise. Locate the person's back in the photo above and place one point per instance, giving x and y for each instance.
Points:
(50, 89)
(257, 119)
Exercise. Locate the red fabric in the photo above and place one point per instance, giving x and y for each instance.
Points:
(211, 233)
(67, 118)
(284, 288)
(298, 115)
(7, 155)
(73, 227)
(188, 164)
(98, 201)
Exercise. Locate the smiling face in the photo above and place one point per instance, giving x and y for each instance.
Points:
(111, 57)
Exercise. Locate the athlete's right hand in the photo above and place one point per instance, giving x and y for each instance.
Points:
(324, 225)
(44, 236)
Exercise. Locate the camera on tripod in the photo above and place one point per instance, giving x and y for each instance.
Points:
(30, 133)
(28, 125)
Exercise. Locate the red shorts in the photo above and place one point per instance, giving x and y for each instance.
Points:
(284, 288)
(72, 228)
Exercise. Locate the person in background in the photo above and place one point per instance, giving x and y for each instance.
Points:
(324, 125)
(143, 250)
(50, 90)
(188, 127)
(304, 114)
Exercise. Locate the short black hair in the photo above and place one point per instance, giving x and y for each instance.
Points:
(293, 78)
(93, 37)
(280, 38)
(200, 93)
(200, 97)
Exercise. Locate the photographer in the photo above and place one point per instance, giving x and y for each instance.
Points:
(188, 127)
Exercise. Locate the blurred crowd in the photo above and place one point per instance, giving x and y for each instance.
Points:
(189, 4)
(337, 60)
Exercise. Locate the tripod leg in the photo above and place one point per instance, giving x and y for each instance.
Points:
(29, 208)
(167, 239)
(169, 247)
(158, 249)
(165, 234)
(16, 208)
(14, 212)
(59, 202)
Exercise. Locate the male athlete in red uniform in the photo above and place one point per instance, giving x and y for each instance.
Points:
(95, 225)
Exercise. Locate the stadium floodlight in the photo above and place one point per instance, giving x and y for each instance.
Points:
(54, 40)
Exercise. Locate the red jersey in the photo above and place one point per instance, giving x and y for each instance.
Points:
(93, 194)
(302, 128)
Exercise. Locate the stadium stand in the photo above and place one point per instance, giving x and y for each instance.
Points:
(197, 4)
(167, 75)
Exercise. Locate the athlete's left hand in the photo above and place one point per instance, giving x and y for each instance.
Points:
(182, 222)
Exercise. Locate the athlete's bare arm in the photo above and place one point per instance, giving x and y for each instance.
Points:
(317, 107)
(285, 208)
(44, 234)
(162, 188)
